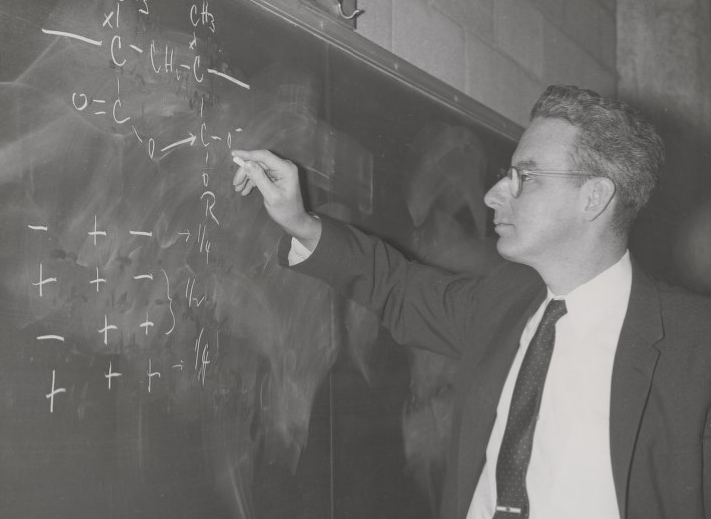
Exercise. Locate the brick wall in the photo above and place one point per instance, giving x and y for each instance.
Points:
(502, 53)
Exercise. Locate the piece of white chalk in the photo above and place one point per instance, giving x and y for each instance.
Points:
(238, 161)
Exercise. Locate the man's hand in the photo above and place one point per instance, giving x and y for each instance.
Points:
(278, 181)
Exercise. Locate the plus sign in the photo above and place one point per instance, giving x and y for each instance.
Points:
(98, 280)
(106, 328)
(54, 391)
(94, 233)
(146, 324)
(43, 281)
(111, 375)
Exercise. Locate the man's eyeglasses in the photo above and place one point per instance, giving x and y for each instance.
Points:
(517, 176)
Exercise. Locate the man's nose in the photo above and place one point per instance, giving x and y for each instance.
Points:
(496, 195)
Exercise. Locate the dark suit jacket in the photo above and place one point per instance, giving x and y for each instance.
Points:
(660, 409)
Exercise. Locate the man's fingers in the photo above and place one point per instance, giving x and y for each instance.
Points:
(259, 178)
(239, 179)
(248, 187)
(244, 187)
(241, 182)
(265, 158)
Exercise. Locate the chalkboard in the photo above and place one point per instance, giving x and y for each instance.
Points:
(154, 359)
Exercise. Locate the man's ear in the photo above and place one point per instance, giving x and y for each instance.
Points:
(599, 192)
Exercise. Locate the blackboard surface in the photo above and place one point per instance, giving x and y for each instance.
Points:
(154, 359)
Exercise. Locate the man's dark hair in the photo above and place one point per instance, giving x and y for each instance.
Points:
(614, 141)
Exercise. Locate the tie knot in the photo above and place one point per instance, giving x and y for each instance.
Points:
(555, 310)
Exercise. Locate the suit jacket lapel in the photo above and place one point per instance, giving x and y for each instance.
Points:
(635, 361)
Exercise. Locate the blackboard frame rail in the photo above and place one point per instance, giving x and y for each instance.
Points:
(313, 21)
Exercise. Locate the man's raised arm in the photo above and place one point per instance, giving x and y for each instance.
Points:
(420, 305)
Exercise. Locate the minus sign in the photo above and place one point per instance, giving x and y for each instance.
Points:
(50, 337)
(38, 227)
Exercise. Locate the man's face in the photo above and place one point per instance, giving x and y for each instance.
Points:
(539, 227)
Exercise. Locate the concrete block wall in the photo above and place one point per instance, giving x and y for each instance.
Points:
(502, 53)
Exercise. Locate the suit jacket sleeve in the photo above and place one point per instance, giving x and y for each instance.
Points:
(420, 305)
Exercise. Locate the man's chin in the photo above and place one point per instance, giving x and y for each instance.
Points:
(506, 251)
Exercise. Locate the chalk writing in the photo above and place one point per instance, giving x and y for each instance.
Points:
(116, 45)
(50, 338)
(42, 280)
(197, 347)
(209, 197)
(117, 104)
(228, 78)
(111, 375)
(74, 36)
(53, 392)
(111, 262)
(84, 104)
(170, 301)
(147, 323)
(188, 140)
(204, 17)
(107, 20)
(144, 9)
(106, 328)
(97, 280)
(203, 367)
(189, 294)
(152, 54)
(136, 134)
(96, 232)
(150, 373)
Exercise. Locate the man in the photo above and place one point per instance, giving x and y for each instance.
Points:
(584, 387)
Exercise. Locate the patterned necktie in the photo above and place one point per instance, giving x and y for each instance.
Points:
(515, 453)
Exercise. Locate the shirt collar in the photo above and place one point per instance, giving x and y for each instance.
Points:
(602, 294)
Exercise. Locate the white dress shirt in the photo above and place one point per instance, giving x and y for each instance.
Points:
(570, 472)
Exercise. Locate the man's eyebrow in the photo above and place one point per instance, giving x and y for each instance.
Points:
(529, 164)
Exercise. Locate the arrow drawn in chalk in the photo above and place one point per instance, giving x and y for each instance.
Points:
(190, 139)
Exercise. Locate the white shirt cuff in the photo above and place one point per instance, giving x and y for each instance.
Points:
(297, 253)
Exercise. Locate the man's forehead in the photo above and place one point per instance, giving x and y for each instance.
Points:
(544, 141)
